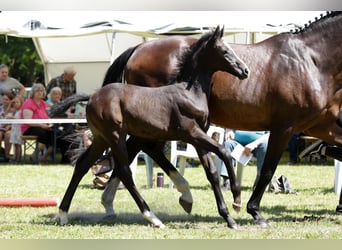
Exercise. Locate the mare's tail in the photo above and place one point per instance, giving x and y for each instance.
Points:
(116, 70)
(61, 107)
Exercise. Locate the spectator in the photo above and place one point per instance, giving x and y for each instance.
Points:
(34, 107)
(63, 129)
(65, 81)
(15, 136)
(6, 111)
(254, 142)
(295, 144)
(9, 85)
(54, 96)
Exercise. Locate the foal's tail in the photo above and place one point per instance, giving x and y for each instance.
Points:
(61, 107)
(116, 70)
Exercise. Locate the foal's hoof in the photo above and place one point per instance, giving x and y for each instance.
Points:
(187, 206)
(231, 223)
(339, 210)
(62, 218)
(236, 207)
(161, 226)
(262, 223)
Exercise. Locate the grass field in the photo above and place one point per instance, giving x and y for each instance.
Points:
(308, 215)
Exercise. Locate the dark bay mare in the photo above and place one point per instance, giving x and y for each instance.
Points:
(173, 112)
(295, 85)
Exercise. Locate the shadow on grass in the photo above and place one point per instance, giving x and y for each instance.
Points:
(86, 219)
(286, 214)
(278, 214)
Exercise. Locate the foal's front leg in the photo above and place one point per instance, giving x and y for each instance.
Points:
(212, 176)
(83, 163)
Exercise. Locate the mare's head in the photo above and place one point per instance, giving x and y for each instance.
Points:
(209, 54)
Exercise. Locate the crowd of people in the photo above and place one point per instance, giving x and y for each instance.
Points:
(14, 105)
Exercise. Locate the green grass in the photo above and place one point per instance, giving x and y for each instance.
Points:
(285, 213)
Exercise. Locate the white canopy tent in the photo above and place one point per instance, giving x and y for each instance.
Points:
(92, 40)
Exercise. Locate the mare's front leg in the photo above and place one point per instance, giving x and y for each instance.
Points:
(83, 164)
(134, 146)
(212, 176)
(276, 146)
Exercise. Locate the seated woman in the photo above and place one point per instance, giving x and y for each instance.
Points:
(63, 129)
(34, 107)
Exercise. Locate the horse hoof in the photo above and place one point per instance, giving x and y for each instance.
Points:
(262, 223)
(62, 218)
(109, 217)
(237, 207)
(339, 210)
(161, 226)
(231, 223)
(187, 206)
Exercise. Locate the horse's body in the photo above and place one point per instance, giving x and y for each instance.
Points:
(295, 86)
(173, 112)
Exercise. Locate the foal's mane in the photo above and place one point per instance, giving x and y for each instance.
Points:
(318, 23)
(188, 60)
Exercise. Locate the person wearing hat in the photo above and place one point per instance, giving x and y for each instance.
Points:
(65, 81)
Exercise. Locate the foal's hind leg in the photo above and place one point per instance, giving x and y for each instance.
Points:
(83, 163)
(124, 173)
(212, 176)
(155, 150)
(202, 141)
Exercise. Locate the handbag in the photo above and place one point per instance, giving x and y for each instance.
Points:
(102, 169)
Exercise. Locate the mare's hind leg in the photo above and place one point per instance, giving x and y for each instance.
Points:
(212, 176)
(108, 196)
(83, 164)
(125, 175)
(339, 206)
(107, 199)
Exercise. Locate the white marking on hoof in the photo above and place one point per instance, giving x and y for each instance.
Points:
(182, 186)
(150, 216)
(63, 217)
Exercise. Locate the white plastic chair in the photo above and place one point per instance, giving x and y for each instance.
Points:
(149, 167)
(189, 152)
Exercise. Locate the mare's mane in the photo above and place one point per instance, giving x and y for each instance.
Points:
(319, 23)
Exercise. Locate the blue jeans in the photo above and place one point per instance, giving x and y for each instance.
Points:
(259, 153)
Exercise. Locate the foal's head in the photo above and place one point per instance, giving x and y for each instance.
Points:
(209, 54)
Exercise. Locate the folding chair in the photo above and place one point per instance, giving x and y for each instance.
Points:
(30, 142)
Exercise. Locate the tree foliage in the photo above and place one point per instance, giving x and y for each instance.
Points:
(22, 59)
